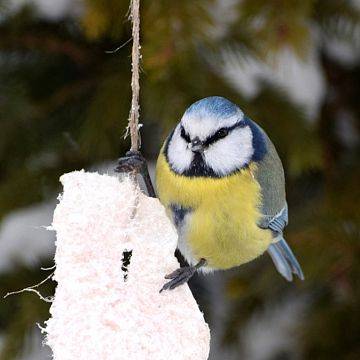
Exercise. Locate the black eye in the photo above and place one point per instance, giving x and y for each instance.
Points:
(221, 133)
(184, 135)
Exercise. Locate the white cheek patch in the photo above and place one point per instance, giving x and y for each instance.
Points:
(230, 153)
(178, 154)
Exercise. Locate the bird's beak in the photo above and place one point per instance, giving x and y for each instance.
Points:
(197, 145)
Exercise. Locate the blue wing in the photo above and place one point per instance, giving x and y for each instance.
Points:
(280, 252)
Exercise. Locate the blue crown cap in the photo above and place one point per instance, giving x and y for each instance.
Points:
(216, 106)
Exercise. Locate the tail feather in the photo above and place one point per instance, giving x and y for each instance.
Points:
(295, 266)
(280, 262)
(284, 260)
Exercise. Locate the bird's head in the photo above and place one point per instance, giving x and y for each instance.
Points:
(213, 138)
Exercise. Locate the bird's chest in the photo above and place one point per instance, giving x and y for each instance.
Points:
(216, 218)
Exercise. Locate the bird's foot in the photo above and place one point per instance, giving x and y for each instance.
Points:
(132, 162)
(178, 277)
(182, 275)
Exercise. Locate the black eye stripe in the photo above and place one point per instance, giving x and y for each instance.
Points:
(223, 132)
(184, 135)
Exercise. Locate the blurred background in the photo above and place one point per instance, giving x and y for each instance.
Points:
(292, 66)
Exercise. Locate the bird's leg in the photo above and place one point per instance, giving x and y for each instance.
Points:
(134, 162)
(181, 275)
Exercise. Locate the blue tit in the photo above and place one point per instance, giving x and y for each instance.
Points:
(222, 183)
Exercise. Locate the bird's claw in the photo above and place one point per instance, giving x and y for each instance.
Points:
(132, 162)
(178, 277)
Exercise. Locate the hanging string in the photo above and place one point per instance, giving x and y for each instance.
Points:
(133, 125)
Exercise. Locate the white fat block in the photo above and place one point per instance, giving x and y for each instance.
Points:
(101, 311)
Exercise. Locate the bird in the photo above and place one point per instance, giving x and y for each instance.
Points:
(222, 184)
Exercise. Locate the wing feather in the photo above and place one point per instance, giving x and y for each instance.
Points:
(270, 176)
(280, 252)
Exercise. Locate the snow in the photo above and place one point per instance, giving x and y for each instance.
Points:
(343, 51)
(23, 239)
(33, 347)
(273, 331)
(346, 128)
(302, 79)
(223, 13)
(49, 9)
(96, 314)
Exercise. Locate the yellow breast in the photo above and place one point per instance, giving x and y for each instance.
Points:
(223, 224)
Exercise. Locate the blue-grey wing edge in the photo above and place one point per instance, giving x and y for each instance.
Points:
(279, 251)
